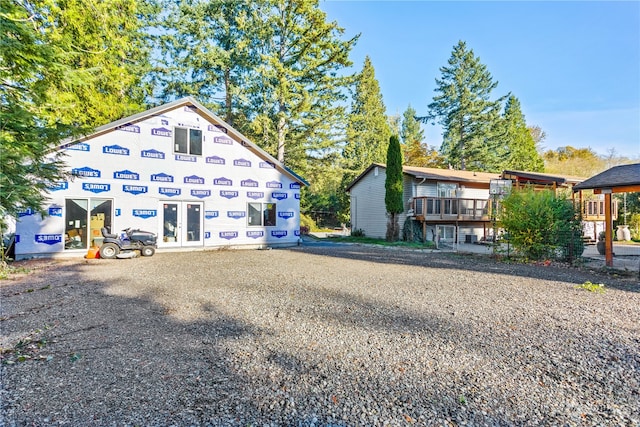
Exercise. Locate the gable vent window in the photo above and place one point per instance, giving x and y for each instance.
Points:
(188, 141)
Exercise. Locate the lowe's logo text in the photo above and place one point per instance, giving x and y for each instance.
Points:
(255, 195)
(193, 179)
(161, 132)
(228, 234)
(279, 233)
(201, 193)
(228, 194)
(129, 128)
(248, 183)
(145, 213)
(215, 160)
(242, 162)
(186, 158)
(236, 214)
(162, 177)
(135, 189)
(126, 174)
(86, 172)
(211, 214)
(222, 181)
(79, 147)
(59, 186)
(152, 154)
(167, 191)
(115, 149)
(255, 234)
(49, 239)
(96, 188)
(267, 165)
(294, 186)
(274, 184)
(217, 128)
(285, 215)
(55, 211)
(222, 140)
(279, 196)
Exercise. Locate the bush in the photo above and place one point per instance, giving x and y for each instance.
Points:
(307, 223)
(542, 225)
(358, 232)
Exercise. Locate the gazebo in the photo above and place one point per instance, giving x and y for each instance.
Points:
(618, 179)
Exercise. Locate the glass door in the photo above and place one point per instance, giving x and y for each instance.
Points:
(181, 224)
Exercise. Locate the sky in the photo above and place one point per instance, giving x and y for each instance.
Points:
(574, 66)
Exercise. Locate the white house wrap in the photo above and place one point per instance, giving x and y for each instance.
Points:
(176, 170)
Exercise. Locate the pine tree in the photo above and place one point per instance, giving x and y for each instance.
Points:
(393, 197)
(416, 152)
(464, 109)
(367, 127)
(520, 151)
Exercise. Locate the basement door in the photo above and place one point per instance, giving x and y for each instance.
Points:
(180, 224)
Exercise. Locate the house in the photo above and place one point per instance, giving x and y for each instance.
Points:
(176, 170)
(451, 205)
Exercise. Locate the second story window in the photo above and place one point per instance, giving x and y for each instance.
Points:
(188, 141)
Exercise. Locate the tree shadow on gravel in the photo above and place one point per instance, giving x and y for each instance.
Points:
(473, 262)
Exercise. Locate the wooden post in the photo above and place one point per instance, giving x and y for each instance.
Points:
(608, 231)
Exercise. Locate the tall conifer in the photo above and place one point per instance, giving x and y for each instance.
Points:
(393, 196)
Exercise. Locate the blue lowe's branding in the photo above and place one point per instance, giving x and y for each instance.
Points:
(48, 239)
(242, 162)
(135, 189)
(86, 172)
(145, 213)
(25, 212)
(285, 215)
(115, 149)
(126, 174)
(164, 122)
(274, 184)
(211, 214)
(294, 186)
(222, 181)
(161, 132)
(152, 154)
(55, 211)
(201, 193)
(228, 234)
(255, 195)
(59, 186)
(248, 183)
(279, 196)
(190, 109)
(267, 165)
(207, 234)
(297, 196)
(193, 179)
(167, 191)
(255, 234)
(228, 194)
(185, 158)
(162, 177)
(297, 233)
(218, 128)
(222, 140)
(129, 128)
(236, 214)
(215, 160)
(96, 188)
(279, 233)
(118, 212)
(81, 146)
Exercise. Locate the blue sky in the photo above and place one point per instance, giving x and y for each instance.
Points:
(574, 66)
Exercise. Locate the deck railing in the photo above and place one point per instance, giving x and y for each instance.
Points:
(451, 208)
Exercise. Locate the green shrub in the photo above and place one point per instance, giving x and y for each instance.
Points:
(307, 223)
(542, 225)
(358, 232)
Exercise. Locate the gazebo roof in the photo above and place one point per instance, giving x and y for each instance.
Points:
(618, 179)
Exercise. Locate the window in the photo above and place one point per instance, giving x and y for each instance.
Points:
(188, 141)
(261, 214)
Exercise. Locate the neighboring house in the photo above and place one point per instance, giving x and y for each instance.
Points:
(451, 205)
(176, 170)
(443, 203)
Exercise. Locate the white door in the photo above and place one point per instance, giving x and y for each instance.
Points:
(180, 224)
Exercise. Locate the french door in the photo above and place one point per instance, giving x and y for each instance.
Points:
(180, 224)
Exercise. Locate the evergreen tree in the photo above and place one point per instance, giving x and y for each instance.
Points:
(411, 129)
(469, 117)
(367, 127)
(393, 196)
(415, 151)
(519, 147)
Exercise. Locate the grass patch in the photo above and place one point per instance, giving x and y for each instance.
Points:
(381, 242)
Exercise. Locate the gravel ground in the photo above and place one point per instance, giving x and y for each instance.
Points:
(318, 336)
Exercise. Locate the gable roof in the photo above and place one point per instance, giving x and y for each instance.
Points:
(434, 174)
(203, 112)
(623, 178)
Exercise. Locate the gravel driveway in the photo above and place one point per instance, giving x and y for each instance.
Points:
(318, 336)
